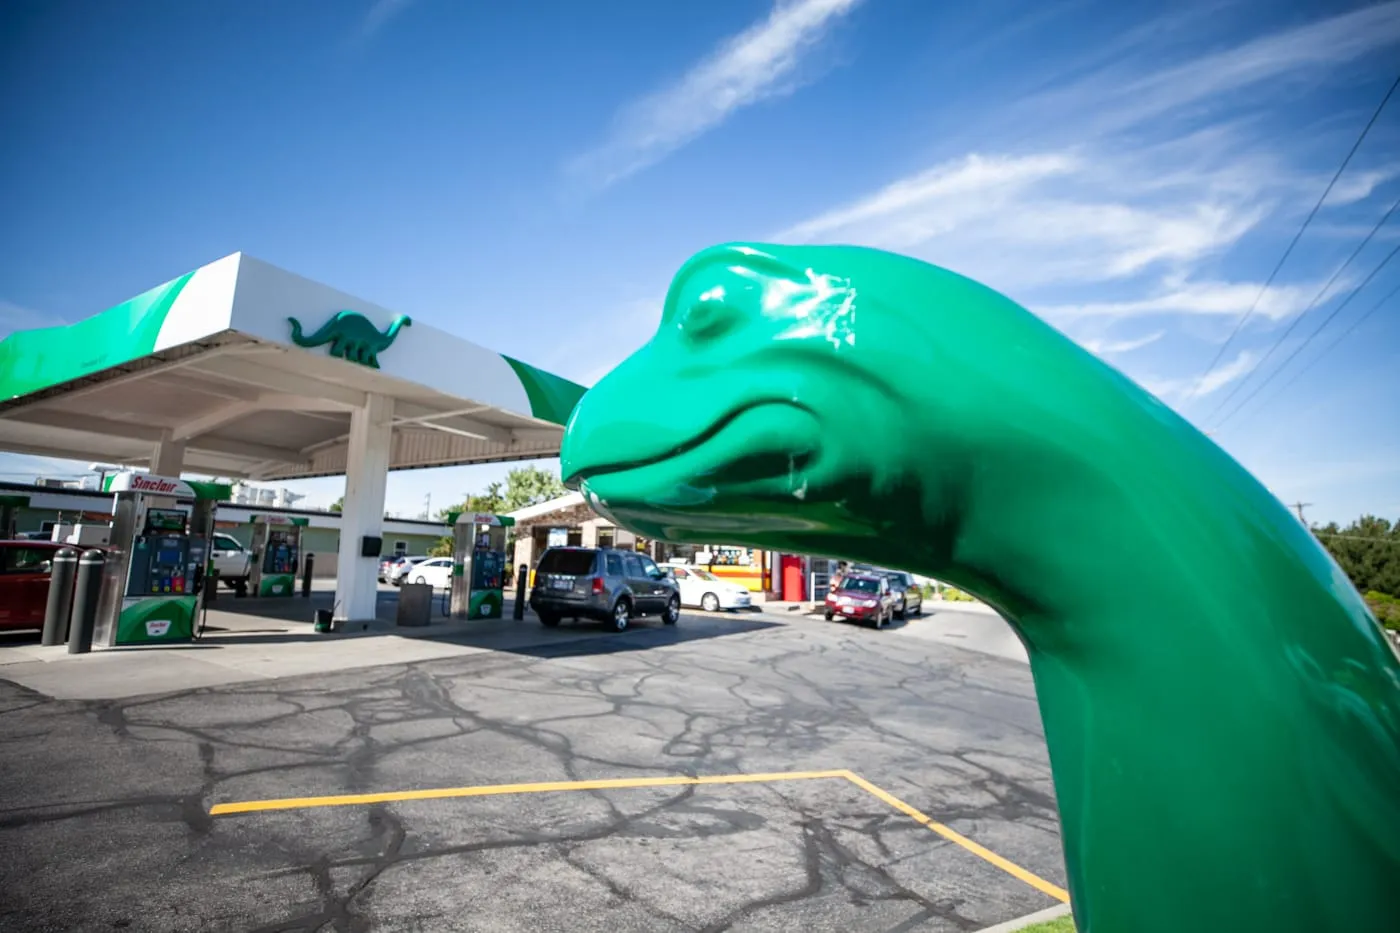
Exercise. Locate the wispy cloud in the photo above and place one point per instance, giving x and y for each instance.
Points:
(757, 64)
(1117, 99)
(1211, 298)
(1358, 186)
(1184, 389)
(1104, 347)
(379, 15)
(1116, 196)
(1023, 220)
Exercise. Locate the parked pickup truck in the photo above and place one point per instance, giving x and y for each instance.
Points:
(232, 560)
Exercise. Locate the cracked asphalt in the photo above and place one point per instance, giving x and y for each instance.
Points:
(105, 823)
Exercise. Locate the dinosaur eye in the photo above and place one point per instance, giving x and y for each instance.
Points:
(724, 305)
(709, 318)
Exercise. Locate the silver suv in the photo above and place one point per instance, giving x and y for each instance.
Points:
(605, 584)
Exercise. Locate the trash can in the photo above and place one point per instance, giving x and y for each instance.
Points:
(415, 604)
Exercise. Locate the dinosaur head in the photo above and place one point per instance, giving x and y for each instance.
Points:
(791, 396)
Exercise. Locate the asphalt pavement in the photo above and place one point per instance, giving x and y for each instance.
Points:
(799, 776)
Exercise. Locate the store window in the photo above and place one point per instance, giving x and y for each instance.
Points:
(400, 548)
(732, 556)
(606, 536)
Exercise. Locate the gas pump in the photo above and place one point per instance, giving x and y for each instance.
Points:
(479, 565)
(276, 555)
(153, 578)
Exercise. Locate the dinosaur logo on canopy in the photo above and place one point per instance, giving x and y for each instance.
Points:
(351, 336)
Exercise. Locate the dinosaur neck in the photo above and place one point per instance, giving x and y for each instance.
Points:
(1187, 638)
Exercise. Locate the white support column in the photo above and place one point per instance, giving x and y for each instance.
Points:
(167, 459)
(367, 473)
(168, 456)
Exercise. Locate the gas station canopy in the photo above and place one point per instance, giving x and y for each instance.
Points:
(241, 369)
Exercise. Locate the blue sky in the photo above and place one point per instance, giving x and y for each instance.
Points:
(530, 175)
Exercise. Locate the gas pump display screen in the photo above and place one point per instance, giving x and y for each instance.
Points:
(165, 520)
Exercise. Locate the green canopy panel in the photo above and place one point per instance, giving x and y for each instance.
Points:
(254, 372)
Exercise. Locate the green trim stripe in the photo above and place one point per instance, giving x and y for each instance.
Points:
(552, 398)
(219, 492)
(31, 360)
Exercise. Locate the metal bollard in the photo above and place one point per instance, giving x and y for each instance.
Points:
(60, 604)
(521, 576)
(306, 576)
(85, 598)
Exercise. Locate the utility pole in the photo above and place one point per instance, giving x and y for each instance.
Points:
(1300, 506)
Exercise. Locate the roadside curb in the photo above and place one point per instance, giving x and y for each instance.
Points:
(1020, 923)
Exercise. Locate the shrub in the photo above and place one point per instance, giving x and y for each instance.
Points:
(1385, 608)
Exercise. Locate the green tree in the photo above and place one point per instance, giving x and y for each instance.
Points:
(523, 486)
(1368, 550)
(527, 486)
(338, 505)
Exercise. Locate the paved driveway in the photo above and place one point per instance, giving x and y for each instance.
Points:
(808, 776)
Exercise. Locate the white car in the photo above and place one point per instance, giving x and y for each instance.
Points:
(402, 568)
(435, 570)
(701, 588)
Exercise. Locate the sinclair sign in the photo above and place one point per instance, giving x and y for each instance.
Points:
(149, 484)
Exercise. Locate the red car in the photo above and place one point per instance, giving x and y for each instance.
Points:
(862, 597)
(24, 582)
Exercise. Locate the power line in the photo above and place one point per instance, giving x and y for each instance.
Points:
(1309, 339)
(1331, 346)
(1299, 319)
(1296, 237)
(1323, 534)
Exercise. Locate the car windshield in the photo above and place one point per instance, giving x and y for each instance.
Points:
(861, 584)
(574, 563)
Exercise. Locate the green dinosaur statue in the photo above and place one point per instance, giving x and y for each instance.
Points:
(1221, 709)
(352, 336)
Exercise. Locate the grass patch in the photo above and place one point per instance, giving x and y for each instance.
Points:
(1058, 925)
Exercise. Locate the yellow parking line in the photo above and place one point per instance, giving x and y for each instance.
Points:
(493, 790)
(952, 835)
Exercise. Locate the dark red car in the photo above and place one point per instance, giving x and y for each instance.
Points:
(24, 582)
(862, 597)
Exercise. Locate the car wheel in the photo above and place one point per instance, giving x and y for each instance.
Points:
(621, 615)
(901, 613)
(830, 615)
(548, 619)
(709, 602)
(672, 615)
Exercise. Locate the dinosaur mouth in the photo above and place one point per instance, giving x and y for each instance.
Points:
(759, 440)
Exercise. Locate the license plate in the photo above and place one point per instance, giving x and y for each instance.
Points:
(561, 584)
